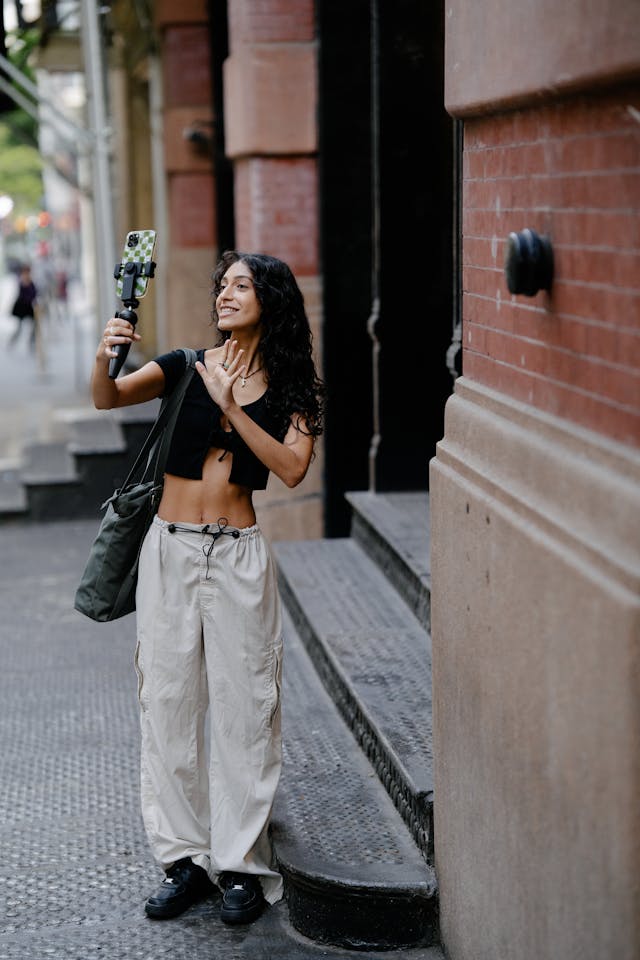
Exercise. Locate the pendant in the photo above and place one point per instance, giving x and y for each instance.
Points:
(243, 381)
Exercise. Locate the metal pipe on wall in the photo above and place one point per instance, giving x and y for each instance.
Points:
(374, 317)
(160, 214)
(105, 250)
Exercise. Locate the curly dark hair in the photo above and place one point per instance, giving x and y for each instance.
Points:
(286, 341)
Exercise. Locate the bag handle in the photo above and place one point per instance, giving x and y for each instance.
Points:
(162, 429)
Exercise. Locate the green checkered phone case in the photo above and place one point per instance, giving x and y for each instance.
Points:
(138, 247)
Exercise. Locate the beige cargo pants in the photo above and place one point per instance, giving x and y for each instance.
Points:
(209, 646)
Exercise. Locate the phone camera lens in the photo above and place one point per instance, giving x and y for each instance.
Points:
(133, 240)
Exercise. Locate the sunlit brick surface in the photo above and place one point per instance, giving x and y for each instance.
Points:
(570, 170)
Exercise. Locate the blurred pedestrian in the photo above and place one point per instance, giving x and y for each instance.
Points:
(61, 286)
(25, 307)
(207, 604)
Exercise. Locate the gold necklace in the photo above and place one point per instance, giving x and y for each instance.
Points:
(243, 380)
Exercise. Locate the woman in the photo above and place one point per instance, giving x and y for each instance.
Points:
(208, 616)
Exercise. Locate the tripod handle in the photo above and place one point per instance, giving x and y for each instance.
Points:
(122, 349)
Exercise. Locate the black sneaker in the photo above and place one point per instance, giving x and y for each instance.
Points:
(184, 884)
(242, 900)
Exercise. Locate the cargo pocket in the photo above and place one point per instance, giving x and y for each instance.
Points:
(276, 684)
(138, 666)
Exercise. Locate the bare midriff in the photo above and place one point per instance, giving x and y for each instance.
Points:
(208, 499)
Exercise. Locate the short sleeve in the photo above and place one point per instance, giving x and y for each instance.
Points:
(173, 365)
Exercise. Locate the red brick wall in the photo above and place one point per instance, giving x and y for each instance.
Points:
(270, 21)
(189, 248)
(187, 93)
(570, 170)
(185, 60)
(270, 129)
(276, 210)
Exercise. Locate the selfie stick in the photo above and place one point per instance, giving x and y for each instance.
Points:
(132, 270)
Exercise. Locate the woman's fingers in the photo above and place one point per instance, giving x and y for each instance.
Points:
(234, 374)
(228, 352)
(231, 356)
(118, 331)
(233, 363)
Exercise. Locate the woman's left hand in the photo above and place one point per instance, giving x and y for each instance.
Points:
(219, 380)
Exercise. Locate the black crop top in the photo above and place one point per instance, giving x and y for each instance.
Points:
(198, 429)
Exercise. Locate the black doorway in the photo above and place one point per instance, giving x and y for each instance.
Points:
(384, 133)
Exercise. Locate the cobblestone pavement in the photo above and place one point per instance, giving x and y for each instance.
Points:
(75, 865)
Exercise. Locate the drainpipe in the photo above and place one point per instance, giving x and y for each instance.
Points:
(160, 217)
(454, 352)
(374, 316)
(105, 255)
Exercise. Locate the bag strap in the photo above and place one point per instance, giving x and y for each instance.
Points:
(181, 388)
(159, 438)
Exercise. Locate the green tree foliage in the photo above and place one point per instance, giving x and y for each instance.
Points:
(20, 171)
(20, 163)
(21, 43)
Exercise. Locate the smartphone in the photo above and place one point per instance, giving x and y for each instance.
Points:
(138, 248)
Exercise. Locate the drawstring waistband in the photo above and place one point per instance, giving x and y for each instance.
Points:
(208, 530)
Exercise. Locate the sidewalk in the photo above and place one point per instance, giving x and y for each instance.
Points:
(33, 387)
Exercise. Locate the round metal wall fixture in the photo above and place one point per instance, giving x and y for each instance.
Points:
(528, 263)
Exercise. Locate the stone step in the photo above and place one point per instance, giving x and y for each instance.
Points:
(394, 529)
(48, 460)
(374, 658)
(72, 474)
(353, 875)
(91, 431)
(13, 496)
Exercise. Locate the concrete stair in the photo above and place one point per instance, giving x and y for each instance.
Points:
(353, 828)
(70, 474)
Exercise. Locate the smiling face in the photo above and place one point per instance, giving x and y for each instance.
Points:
(237, 306)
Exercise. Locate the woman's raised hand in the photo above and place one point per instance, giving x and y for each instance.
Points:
(221, 376)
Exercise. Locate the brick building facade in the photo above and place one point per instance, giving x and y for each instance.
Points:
(568, 169)
(535, 500)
